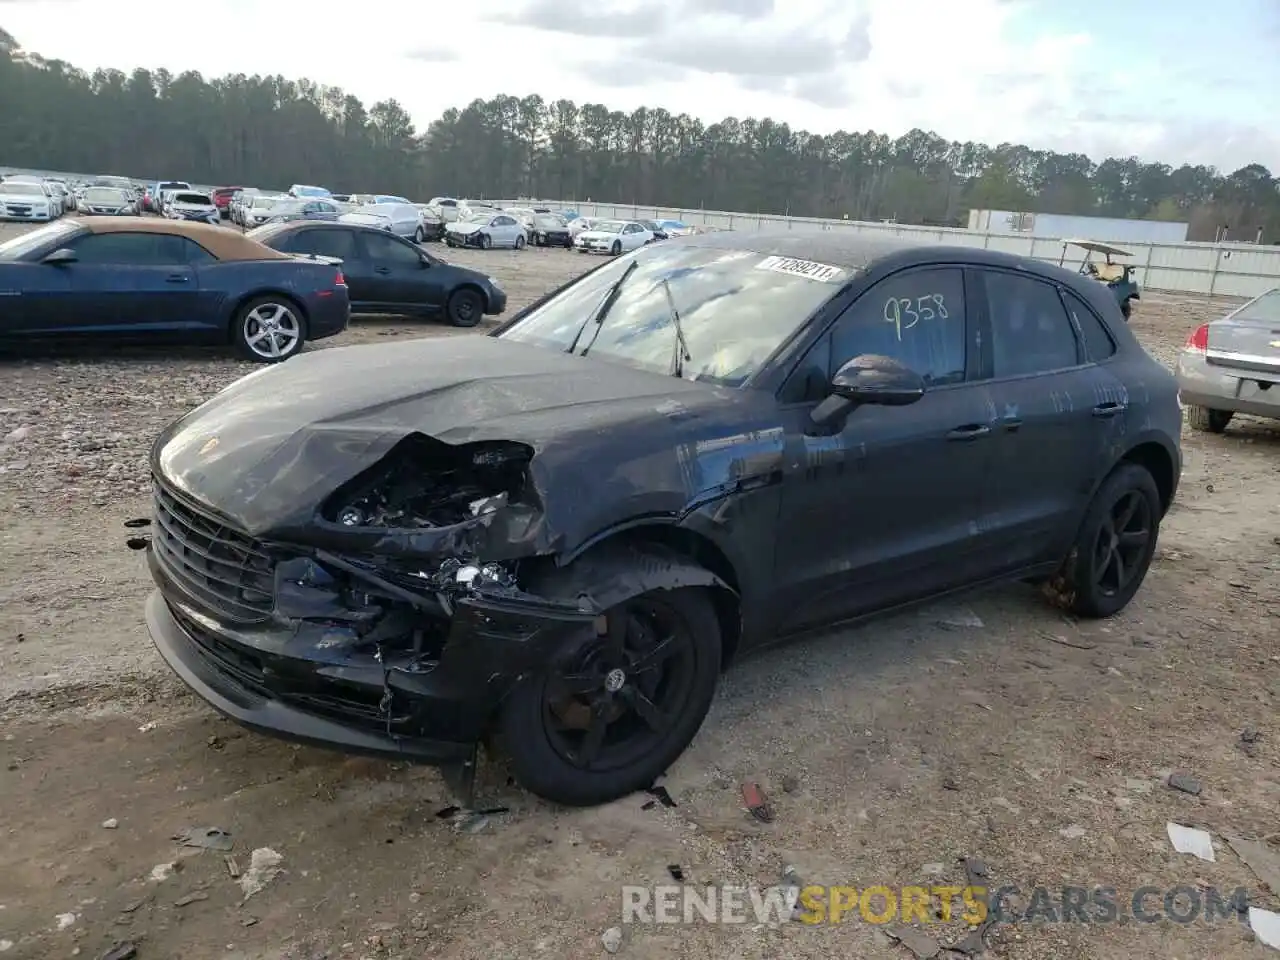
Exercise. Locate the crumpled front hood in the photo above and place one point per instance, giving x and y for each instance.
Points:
(463, 227)
(268, 450)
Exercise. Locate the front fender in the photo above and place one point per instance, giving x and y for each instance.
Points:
(612, 573)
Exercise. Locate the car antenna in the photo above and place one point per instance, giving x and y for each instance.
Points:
(682, 355)
(606, 304)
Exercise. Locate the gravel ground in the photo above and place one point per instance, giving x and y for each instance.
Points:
(1036, 744)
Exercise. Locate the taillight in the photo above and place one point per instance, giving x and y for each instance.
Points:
(339, 280)
(1198, 341)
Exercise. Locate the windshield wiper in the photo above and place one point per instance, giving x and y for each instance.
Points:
(680, 355)
(598, 315)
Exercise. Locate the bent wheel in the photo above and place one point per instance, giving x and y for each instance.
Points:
(1114, 546)
(619, 702)
(269, 329)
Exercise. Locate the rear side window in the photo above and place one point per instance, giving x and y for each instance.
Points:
(1030, 330)
(916, 317)
(1097, 341)
(330, 243)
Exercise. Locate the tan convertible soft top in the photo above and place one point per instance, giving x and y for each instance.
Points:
(223, 243)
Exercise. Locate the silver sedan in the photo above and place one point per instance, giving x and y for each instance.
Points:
(1232, 365)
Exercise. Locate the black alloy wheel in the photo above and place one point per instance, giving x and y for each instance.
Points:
(1121, 543)
(620, 703)
(1114, 547)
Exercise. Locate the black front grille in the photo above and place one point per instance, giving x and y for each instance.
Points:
(226, 571)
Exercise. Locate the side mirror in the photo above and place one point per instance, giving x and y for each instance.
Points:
(61, 256)
(869, 380)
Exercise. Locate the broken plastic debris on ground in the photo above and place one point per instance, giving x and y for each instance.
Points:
(264, 866)
(1191, 840)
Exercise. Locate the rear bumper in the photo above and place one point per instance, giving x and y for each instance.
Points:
(328, 316)
(1203, 384)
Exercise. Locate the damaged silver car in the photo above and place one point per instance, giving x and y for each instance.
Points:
(551, 539)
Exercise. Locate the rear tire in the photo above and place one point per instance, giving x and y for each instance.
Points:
(1208, 420)
(269, 329)
(420, 236)
(547, 750)
(1113, 549)
(465, 308)
(520, 242)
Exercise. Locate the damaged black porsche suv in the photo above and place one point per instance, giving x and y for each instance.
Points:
(551, 539)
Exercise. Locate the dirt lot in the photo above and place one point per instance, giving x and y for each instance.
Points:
(889, 752)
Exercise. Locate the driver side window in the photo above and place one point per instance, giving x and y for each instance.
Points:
(917, 317)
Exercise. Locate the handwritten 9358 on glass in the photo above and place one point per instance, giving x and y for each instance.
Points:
(905, 312)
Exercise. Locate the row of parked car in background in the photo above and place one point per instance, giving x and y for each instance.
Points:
(483, 224)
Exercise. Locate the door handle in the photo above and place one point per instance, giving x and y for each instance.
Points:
(971, 431)
(1109, 409)
(176, 278)
(382, 270)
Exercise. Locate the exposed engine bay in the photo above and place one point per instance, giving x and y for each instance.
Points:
(424, 483)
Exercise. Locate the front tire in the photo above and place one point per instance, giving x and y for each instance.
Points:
(465, 308)
(1208, 420)
(419, 236)
(269, 329)
(1114, 546)
(616, 249)
(486, 241)
(612, 711)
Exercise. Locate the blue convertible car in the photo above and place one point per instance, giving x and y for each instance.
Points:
(119, 278)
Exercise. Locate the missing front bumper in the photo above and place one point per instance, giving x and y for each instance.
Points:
(318, 683)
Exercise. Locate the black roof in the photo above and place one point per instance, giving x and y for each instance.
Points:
(854, 250)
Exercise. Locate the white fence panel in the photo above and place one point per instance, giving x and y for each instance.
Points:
(1215, 269)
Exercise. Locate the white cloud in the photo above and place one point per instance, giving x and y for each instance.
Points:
(968, 71)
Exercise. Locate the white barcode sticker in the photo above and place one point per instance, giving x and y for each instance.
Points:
(822, 272)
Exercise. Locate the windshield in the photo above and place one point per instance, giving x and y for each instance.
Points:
(106, 195)
(285, 207)
(302, 191)
(735, 309)
(24, 243)
(548, 222)
(195, 199)
(22, 189)
(265, 201)
(476, 216)
(608, 226)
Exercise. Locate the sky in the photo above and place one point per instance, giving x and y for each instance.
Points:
(1179, 81)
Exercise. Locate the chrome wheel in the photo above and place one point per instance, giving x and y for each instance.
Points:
(272, 331)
